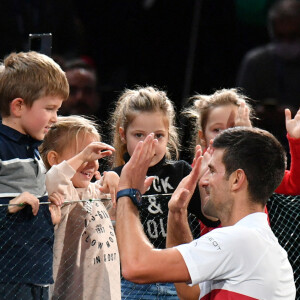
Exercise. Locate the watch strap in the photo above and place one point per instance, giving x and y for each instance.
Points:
(134, 194)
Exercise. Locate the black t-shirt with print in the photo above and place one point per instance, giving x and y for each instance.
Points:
(154, 209)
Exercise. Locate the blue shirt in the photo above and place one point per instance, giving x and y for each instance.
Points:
(26, 241)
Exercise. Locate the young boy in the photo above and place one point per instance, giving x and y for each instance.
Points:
(32, 89)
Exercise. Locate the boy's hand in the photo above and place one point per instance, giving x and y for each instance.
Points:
(110, 185)
(292, 125)
(95, 151)
(22, 200)
(243, 118)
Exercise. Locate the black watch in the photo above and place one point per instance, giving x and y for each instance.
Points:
(134, 194)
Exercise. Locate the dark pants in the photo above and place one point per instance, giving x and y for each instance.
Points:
(23, 291)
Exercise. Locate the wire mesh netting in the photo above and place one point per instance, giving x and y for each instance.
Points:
(284, 214)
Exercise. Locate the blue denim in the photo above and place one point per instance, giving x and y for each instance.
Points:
(152, 291)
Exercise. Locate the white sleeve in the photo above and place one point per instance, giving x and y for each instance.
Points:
(211, 257)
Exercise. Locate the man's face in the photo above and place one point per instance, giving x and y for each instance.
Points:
(214, 188)
(83, 98)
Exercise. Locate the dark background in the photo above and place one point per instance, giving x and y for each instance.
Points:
(183, 47)
(180, 46)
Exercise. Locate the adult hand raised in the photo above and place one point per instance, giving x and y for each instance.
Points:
(134, 172)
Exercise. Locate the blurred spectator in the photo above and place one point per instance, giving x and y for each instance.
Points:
(84, 98)
(271, 73)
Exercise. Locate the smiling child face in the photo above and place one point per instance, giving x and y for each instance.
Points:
(86, 171)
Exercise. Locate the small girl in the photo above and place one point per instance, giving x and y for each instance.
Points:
(86, 259)
(138, 113)
(224, 109)
(229, 108)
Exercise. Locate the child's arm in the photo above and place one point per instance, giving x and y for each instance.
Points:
(21, 200)
(290, 184)
(58, 178)
(93, 151)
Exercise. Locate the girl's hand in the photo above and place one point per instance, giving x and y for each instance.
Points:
(55, 212)
(110, 185)
(97, 175)
(243, 118)
(292, 125)
(56, 199)
(95, 151)
(91, 152)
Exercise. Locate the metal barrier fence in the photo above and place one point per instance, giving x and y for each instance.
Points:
(284, 214)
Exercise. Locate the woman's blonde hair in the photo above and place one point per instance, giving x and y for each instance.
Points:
(139, 100)
(202, 105)
(64, 132)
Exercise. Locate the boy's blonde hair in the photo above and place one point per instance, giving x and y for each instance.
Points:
(66, 131)
(203, 104)
(30, 76)
(139, 100)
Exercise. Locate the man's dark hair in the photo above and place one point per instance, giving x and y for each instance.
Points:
(258, 153)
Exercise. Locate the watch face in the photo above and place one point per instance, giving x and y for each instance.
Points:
(138, 196)
(133, 194)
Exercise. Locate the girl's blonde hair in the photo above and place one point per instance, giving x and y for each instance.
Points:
(64, 132)
(139, 100)
(202, 105)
